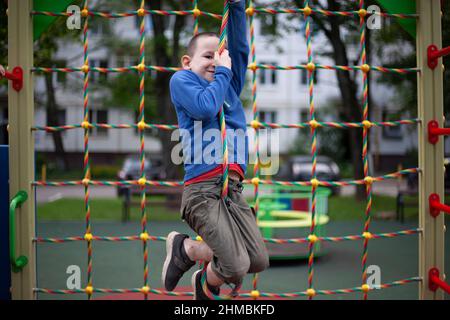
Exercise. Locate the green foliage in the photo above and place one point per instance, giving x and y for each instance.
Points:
(3, 35)
(391, 40)
(104, 171)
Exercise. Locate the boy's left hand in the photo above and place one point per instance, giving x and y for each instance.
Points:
(2, 71)
(223, 59)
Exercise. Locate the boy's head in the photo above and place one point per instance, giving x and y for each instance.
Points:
(200, 55)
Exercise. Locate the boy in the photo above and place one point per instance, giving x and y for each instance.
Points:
(231, 242)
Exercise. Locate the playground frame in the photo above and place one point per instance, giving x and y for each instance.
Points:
(21, 145)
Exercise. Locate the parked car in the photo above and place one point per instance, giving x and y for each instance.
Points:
(299, 168)
(131, 170)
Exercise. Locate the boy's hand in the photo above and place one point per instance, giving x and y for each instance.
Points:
(223, 60)
(2, 71)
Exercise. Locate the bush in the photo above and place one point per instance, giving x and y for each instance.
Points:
(104, 172)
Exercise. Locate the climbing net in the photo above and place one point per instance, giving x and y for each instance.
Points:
(314, 125)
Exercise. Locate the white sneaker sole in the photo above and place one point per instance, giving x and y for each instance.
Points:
(194, 276)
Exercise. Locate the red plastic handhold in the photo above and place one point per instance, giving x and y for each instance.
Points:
(432, 275)
(434, 131)
(434, 54)
(434, 282)
(436, 206)
(16, 76)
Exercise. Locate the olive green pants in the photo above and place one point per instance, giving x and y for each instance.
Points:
(227, 226)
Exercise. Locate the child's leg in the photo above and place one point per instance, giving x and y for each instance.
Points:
(211, 277)
(197, 250)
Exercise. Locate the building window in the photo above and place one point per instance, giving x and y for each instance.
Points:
(304, 75)
(393, 133)
(98, 76)
(98, 27)
(267, 76)
(268, 24)
(304, 115)
(98, 116)
(268, 116)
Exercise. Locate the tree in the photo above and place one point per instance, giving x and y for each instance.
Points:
(165, 48)
(350, 107)
(167, 52)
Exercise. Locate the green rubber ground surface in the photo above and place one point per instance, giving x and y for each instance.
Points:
(120, 264)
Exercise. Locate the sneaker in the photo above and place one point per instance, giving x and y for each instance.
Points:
(177, 262)
(199, 294)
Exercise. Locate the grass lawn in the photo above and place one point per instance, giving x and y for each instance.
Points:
(102, 209)
(347, 208)
(339, 209)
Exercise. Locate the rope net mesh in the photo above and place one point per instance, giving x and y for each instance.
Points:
(313, 125)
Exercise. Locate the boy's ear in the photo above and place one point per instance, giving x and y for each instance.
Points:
(186, 62)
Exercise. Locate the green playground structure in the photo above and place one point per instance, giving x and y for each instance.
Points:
(285, 213)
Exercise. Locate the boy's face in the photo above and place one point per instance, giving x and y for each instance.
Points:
(202, 61)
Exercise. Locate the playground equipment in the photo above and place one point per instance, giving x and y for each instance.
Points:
(430, 100)
(286, 214)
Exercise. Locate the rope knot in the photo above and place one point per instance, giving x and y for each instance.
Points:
(145, 289)
(311, 67)
(315, 183)
(362, 13)
(144, 236)
(367, 124)
(368, 180)
(88, 237)
(85, 68)
(255, 124)
(140, 67)
(310, 292)
(141, 125)
(254, 294)
(365, 68)
(142, 181)
(307, 11)
(367, 235)
(141, 12)
(252, 66)
(314, 124)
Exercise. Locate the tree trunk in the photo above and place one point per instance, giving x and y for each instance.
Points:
(350, 107)
(162, 57)
(52, 116)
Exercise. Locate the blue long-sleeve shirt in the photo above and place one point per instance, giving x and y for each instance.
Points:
(198, 102)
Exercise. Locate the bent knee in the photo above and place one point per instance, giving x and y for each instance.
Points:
(259, 263)
(235, 272)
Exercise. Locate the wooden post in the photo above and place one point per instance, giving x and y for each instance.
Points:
(21, 142)
(431, 157)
